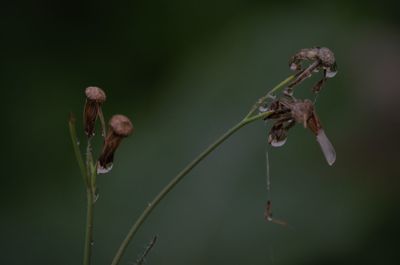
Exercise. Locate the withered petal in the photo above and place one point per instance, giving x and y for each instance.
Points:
(326, 146)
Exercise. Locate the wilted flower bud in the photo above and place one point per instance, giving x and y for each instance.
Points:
(94, 98)
(119, 127)
(302, 111)
(288, 111)
(278, 135)
(321, 58)
(323, 55)
(328, 61)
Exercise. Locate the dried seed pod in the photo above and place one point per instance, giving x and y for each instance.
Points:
(94, 98)
(119, 127)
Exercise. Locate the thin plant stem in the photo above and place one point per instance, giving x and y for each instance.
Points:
(168, 188)
(75, 144)
(88, 175)
(152, 205)
(87, 257)
(90, 199)
(273, 90)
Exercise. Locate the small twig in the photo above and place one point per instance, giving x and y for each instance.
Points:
(75, 145)
(141, 260)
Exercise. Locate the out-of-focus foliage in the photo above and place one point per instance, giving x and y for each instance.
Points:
(185, 71)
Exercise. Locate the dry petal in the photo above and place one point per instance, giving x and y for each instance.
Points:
(326, 146)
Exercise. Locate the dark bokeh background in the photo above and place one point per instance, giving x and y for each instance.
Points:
(185, 71)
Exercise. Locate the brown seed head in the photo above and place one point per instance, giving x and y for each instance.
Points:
(326, 56)
(95, 94)
(121, 125)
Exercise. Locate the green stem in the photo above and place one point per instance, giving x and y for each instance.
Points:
(87, 257)
(176, 180)
(152, 205)
(273, 90)
(77, 152)
(90, 199)
(88, 175)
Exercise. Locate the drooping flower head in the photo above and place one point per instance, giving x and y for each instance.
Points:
(119, 127)
(95, 97)
(321, 58)
(287, 112)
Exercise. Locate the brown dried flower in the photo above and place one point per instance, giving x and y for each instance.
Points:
(119, 127)
(322, 58)
(287, 112)
(94, 98)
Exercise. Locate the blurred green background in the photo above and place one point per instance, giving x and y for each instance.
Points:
(184, 72)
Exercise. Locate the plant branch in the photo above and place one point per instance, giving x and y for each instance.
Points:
(88, 173)
(75, 144)
(152, 205)
(87, 257)
(90, 200)
(269, 94)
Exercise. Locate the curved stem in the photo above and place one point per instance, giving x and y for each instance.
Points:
(152, 205)
(273, 90)
(176, 180)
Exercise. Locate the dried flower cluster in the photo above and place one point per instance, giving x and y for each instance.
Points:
(321, 58)
(287, 110)
(119, 127)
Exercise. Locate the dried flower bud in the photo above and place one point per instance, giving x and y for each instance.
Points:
(277, 136)
(326, 56)
(94, 98)
(119, 127)
(322, 58)
(301, 111)
(288, 111)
